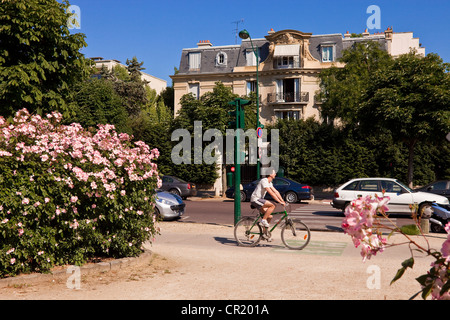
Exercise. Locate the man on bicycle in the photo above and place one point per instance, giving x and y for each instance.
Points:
(264, 206)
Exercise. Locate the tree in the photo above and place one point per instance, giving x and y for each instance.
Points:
(411, 99)
(98, 103)
(342, 89)
(134, 68)
(40, 60)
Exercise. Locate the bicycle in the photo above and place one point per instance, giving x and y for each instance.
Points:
(294, 233)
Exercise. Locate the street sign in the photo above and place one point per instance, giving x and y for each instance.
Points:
(259, 132)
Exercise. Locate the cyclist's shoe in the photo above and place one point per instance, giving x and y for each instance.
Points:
(264, 223)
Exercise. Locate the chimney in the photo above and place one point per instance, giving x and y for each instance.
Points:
(366, 33)
(347, 35)
(204, 43)
(271, 31)
(388, 33)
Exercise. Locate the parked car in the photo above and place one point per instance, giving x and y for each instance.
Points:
(290, 190)
(401, 197)
(441, 187)
(178, 186)
(168, 205)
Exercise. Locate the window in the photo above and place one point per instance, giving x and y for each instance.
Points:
(194, 60)
(221, 59)
(351, 186)
(287, 62)
(251, 87)
(288, 115)
(441, 185)
(250, 57)
(390, 186)
(194, 88)
(280, 182)
(369, 185)
(328, 53)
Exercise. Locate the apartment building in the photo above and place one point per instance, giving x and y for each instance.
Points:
(290, 62)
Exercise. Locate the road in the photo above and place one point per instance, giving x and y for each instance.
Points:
(318, 216)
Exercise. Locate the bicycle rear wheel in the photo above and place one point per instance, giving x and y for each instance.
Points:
(295, 234)
(247, 233)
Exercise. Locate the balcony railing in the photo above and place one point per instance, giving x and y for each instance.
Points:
(287, 97)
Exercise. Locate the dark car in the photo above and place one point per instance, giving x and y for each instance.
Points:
(290, 190)
(441, 187)
(178, 186)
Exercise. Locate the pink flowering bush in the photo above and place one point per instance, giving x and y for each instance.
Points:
(363, 223)
(68, 194)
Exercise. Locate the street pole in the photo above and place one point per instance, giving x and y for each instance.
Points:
(244, 34)
(238, 124)
(237, 177)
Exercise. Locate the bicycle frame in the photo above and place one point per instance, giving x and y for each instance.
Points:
(284, 217)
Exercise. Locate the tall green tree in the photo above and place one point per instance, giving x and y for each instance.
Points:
(40, 59)
(411, 99)
(98, 103)
(342, 89)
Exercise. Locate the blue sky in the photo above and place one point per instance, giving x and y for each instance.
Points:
(156, 31)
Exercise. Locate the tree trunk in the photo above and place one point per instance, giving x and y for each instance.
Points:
(411, 147)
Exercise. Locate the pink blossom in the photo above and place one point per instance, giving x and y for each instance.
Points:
(73, 199)
(25, 201)
(358, 222)
(445, 250)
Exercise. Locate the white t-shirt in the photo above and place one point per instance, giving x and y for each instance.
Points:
(260, 190)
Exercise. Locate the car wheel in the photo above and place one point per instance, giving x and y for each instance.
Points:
(423, 207)
(243, 196)
(291, 197)
(175, 191)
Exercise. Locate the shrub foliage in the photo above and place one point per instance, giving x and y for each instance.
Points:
(68, 194)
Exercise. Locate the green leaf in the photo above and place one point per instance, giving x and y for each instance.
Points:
(410, 229)
(445, 287)
(408, 263)
(399, 274)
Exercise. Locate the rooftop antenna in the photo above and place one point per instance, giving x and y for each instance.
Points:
(236, 31)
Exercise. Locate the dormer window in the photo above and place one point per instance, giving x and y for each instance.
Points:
(287, 56)
(194, 60)
(328, 53)
(221, 59)
(250, 57)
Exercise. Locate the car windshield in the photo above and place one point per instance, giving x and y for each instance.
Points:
(404, 186)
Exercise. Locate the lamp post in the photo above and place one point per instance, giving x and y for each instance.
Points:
(244, 34)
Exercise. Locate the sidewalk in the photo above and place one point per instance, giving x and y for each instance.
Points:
(202, 262)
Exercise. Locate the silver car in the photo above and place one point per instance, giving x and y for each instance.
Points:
(168, 206)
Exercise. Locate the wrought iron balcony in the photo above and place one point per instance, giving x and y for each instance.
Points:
(288, 97)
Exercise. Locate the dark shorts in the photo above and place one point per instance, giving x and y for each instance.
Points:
(258, 203)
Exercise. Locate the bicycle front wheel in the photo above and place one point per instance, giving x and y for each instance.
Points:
(247, 233)
(295, 234)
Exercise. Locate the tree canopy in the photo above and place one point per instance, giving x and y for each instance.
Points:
(40, 60)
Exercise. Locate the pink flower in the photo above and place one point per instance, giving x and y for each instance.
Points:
(73, 199)
(13, 260)
(445, 250)
(25, 201)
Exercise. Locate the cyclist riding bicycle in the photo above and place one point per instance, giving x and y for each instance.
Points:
(264, 206)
